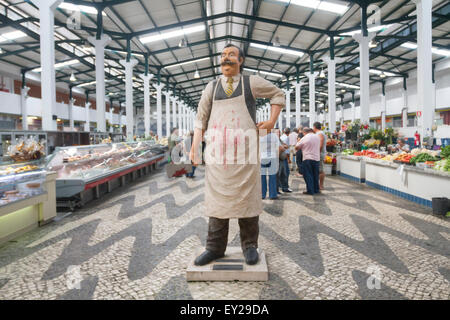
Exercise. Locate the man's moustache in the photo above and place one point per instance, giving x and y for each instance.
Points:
(228, 63)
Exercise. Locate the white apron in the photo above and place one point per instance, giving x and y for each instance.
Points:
(232, 183)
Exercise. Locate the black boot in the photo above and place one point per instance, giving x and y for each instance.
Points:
(251, 256)
(207, 257)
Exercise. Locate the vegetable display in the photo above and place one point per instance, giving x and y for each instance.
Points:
(445, 152)
(423, 157)
(442, 165)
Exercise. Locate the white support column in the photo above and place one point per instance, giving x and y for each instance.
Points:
(184, 118)
(383, 112)
(288, 107)
(111, 127)
(298, 103)
(129, 65)
(147, 115)
(87, 123)
(120, 116)
(280, 122)
(405, 109)
(364, 75)
(424, 66)
(312, 97)
(331, 67)
(353, 111)
(167, 95)
(174, 111)
(24, 107)
(341, 118)
(180, 115)
(99, 45)
(71, 120)
(47, 48)
(159, 88)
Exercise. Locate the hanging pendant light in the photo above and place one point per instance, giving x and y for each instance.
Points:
(322, 74)
(373, 44)
(382, 75)
(72, 77)
(182, 43)
(197, 75)
(276, 41)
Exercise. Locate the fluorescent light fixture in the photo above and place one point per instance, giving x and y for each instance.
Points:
(172, 34)
(435, 50)
(86, 84)
(277, 49)
(378, 72)
(74, 7)
(372, 29)
(345, 85)
(60, 65)
(12, 36)
(184, 63)
(265, 72)
(320, 5)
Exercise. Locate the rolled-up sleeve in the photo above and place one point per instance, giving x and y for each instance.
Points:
(204, 108)
(261, 88)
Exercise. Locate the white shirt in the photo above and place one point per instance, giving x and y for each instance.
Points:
(285, 139)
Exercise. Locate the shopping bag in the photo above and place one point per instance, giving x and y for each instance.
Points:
(177, 170)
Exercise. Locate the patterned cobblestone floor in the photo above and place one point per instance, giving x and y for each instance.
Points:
(136, 243)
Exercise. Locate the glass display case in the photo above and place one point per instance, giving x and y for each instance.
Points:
(20, 181)
(91, 162)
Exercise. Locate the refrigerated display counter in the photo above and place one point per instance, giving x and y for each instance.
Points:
(85, 173)
(27, 198)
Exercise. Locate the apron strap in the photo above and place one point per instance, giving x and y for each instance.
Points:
(215, 83)
(249, 99)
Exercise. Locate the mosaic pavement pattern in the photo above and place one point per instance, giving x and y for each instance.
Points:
(351, 242)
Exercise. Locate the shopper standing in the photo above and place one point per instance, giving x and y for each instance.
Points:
(299, 154)
(323, 152)
(269, 147)
(292, 142)
(310, 146)
(285, 140)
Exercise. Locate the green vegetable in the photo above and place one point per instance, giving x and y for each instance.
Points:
(348, 152)
(422, 158)
(443, 165)
(445, 152)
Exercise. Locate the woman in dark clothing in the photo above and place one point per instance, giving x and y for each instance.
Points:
(299, 154)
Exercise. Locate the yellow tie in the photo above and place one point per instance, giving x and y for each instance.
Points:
(229, 90)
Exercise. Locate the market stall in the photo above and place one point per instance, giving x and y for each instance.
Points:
(85, 173)
(351, 167)
(419, 175)
(27, 198)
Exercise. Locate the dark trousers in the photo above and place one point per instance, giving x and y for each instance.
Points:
(310, 170)
(265, 165)
(218, 234)
(299, 158)
(283, 178)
